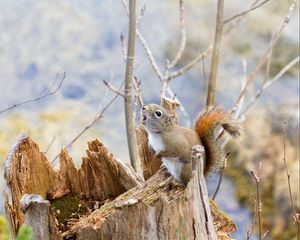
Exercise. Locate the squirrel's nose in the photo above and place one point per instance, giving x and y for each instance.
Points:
(144, 108)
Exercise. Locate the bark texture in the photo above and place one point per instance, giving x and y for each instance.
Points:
(116, 203)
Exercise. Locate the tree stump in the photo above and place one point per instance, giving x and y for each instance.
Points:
(105, 199)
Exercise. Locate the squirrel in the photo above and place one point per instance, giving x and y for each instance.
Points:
(173, 143)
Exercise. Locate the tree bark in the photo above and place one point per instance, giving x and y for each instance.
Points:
(111, 201)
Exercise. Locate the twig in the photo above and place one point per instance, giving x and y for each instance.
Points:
(149, 54)
(265, 234)
(113, 89)
(249, 232)
(188, 66)
(129, 121)
(267, 84)
(145, 46)
(268, 65)
(100, 113)
(265, 56)
(205, 53)
(50, 91)
(181, 107)
(238, 112)
(245, 12)
(137, 96)
(296, 215)
(50, 144)
(258, 203)
(137, 87)
(183, 37)
(141, 15)
(191, 64)
(211, 92)
(221, 176)
(237, 20)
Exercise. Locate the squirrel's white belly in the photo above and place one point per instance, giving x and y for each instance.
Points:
(173, 166)
(156, 142)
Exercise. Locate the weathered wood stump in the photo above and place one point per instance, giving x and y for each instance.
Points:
(105, 199)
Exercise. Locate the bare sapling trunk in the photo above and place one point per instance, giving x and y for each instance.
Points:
(129, 121)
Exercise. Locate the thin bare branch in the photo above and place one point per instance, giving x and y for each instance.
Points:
(165, 86)
(234, 23)
(245, 12)
(146, 46)
(137, 87)
(188, 66)
(221, 176)
(191, 64)
(141, 15)
(267, 84)
(264, 59)
(182, 37)
(265, 234)
(208, 51)
(50, 144)
(138, 100)
(296, 215)
(258, 202)
(149, 54)
(101, 110)
(113, 89)
(181, 107)
(212, 82)
(238, 112)
(129, 121)
(268, 66)
(50, 91)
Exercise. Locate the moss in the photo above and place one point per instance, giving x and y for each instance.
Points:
(222, 219)
(66, 208)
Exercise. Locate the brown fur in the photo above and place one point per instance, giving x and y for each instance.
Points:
(206, 126)
(178, 141)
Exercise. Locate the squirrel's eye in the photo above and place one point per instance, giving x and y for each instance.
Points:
(158, 113)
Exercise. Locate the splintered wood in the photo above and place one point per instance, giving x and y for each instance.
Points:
(27, 171)
(110, 200)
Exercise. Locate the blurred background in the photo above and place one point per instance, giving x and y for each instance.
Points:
(42, 39)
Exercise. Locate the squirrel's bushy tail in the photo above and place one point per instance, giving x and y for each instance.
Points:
(207, 127)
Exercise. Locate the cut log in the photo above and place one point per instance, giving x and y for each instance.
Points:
(116, 203)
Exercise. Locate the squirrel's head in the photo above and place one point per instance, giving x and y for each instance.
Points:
(155, 118)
